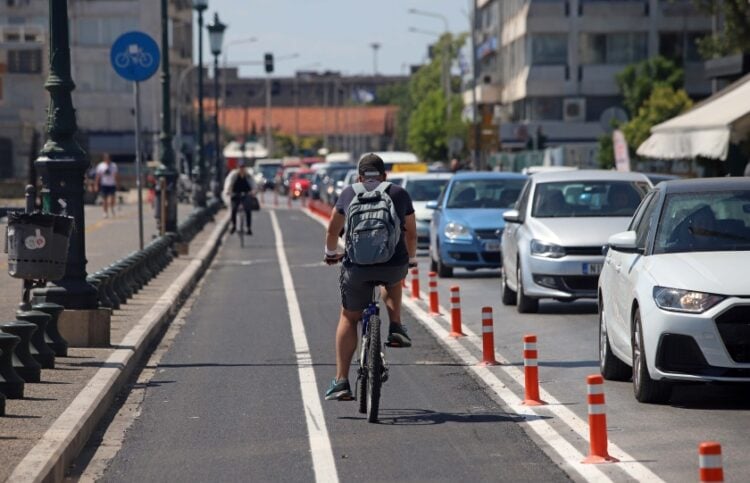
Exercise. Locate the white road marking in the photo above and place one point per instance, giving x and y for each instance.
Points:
(320, 444)
(552, 438)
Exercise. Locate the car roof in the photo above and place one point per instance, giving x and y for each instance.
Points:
(465, 175)
(705, 184)
(587, 175)
(416, 176)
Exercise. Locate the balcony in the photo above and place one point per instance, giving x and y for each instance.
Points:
(549, 8)
(610, 8)
(599, 79)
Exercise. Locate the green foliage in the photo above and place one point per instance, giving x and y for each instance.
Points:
(663, 104)
(734, 37)
(397, 95)
(637, 81)
(606, 155)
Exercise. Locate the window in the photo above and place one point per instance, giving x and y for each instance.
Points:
(681, 46)
(544, 109)
(620, 48)
(103, 31)
(643, 226)
(12, 37)
(25, 61)
(549, 49)
(484, 193)
(586, 199)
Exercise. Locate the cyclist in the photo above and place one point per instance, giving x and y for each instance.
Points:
(237, 186)
(358, 281)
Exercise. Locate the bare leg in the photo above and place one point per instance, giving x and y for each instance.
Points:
(112, 202)
(346, 341)
(105, 200)
(392, 299)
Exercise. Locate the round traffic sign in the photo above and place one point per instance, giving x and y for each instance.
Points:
(135, 56)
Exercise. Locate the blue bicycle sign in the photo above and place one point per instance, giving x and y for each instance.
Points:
(135, 56)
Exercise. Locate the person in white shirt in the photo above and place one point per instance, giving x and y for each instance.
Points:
(106, 184)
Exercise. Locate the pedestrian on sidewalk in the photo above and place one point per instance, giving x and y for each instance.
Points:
(240, 189)
(106, 183)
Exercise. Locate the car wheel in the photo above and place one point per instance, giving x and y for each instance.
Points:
(612, 368)
(525, 304)
(646, 390)
(433, 265)
(508, 295)
(443, 270)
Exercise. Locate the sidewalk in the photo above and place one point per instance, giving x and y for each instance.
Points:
(27, 420)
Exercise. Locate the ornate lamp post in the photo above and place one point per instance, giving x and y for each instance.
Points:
(167, 168)
(199, 171)
(62, 164)
(216, 39)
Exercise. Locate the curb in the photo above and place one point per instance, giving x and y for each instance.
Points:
(63, 441)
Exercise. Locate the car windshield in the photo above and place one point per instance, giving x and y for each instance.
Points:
(307, 176)
(338, 174)
(485, 193)
(425, 189)
(269, 170)
(573, 199)
(704, 222)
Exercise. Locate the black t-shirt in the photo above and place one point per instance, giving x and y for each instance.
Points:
(241, 185)
(402, 204)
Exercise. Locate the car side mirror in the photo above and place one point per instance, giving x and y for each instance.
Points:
(512, 216)
(624, 242)
(431, 205)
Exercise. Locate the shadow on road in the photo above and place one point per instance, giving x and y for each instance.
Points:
(711, 396)
(421, 417)
(568, 308)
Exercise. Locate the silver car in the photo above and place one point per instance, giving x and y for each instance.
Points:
(552, 242)
(423, 188)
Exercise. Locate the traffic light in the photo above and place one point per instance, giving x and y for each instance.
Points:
(268, 61)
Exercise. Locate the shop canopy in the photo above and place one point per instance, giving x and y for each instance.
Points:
(706, 130)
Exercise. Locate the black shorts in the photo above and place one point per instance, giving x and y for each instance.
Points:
(107, 190)
(357, 283)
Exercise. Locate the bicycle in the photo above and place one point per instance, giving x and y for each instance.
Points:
(242, 222)
(373, 370)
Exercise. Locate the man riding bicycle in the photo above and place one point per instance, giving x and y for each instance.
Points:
(238, 186)
(357, 281)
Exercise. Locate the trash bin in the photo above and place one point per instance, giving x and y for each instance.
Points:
(37, 245)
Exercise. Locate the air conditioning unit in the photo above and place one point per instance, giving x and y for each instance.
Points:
(574, 110)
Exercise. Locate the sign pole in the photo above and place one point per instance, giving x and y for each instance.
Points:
(138, 172)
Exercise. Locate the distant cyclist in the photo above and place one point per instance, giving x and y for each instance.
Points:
(239, 185)
(366, 208)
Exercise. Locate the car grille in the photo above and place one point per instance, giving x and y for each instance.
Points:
(680, 353)
(734, 328)
(583, 250)
(490, 234)
(464, 256)
(580, 282)
(491, 257)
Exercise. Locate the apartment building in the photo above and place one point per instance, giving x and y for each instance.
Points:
(549, 66)
(103, 101)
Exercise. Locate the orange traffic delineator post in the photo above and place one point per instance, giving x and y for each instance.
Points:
(531, 372)
(488, 339)
(456, 312)
(415, 283)
(434, 303)
(597, 422)
(709, 460)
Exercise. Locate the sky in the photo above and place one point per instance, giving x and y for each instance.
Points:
(332, 34)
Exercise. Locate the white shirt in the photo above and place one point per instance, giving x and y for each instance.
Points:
(106, 173)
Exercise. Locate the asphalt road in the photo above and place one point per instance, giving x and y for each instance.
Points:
(226, 404)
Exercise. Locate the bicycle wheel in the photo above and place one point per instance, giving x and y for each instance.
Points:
(362, 376)
(374, 370)
(241, 231)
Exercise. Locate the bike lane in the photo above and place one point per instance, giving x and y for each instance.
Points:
(436, 422)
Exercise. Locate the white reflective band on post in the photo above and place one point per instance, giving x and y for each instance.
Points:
(529, 346)
(486, 329)
(529, 362)
(455, 305)
(595, 389)
(707, 461)
(596, 408)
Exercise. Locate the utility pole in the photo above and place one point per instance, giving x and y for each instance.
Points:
(477, 155)
(375, 46)
(167, 157)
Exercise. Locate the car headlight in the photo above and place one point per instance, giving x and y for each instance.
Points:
(456, 231)
(547, 250)
(679, 300)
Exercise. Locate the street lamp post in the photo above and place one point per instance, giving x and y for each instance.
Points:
(62, 164)
(166, 169)
(216, 39)
(375, 46)
(199, 169)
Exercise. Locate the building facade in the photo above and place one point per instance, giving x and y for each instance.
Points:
(549, 66)
(103, 101)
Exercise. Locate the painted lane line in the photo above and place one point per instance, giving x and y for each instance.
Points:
(320, 444)
(563, 414)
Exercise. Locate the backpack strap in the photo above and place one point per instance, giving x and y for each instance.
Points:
(383, 186)
(359, 188)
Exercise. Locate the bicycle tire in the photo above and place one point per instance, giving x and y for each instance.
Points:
(362, 378)
(241, 231)
(374, 370)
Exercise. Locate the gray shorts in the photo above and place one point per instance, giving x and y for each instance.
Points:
(357, 283)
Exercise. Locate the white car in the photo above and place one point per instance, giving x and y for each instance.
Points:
(422, 188)
(552, 242)
(674, 293)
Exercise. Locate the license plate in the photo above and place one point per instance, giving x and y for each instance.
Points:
(592, 268)
(492, 247)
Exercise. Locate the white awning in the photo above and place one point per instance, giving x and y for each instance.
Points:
(705, 130)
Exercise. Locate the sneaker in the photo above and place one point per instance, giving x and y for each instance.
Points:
(339, 391)
(397, 336)
(232, 229)
(249, 231)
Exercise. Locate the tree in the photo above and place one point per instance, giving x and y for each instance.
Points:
(637, 81)
(397, 95)
(663, 104)
(734, 37)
